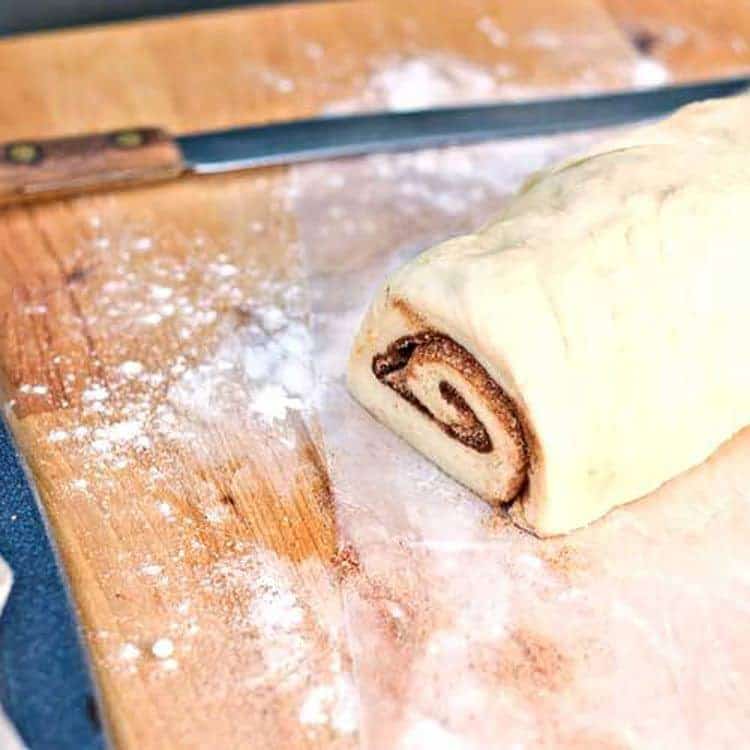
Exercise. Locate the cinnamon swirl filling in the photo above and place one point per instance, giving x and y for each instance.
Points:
(445, 382)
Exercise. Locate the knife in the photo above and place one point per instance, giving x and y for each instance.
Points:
(59, 167)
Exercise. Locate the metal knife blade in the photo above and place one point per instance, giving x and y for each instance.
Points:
(327, 137)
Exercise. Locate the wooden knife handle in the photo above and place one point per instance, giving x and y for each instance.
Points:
(59, 167)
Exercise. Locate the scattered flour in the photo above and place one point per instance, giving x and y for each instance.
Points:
(152, 319)
(273, 612)
(334, 704)
(427, 734)
(272, 403)
(170, 665)
(434, 79)
(313, 50)
(95, 392)
(160, 292)
(271, 78)
(262, 370)
(131, 369)
(163, 648)
(545, 38)
(424, 81)
(739, 44)
(142, 244)
(648, 73)
(119, 432)
(129, 652)
(37, 390)
(488, 26)
(166, 510)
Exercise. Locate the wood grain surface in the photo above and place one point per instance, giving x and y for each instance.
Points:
(198, 531)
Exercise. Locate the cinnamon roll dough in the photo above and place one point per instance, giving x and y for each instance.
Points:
(591, 342)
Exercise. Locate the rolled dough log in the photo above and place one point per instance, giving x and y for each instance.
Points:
(591, 342)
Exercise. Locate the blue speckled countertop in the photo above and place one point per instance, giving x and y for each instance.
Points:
(44, 683)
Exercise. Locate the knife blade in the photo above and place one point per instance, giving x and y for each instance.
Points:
(35, 169)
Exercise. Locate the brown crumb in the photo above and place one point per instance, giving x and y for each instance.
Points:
(529, 663)
(564, 559)
(227, 499)
(346, 563)
(76, 275)
(643, 39)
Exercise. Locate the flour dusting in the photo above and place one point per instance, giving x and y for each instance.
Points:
(489, 27)
(587, 63)
(650, 73)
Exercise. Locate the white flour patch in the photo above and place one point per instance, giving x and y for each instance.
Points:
(166, 510)
(272, 403)
(160, 292)
(95, 392)
(488, 26)
(315, 708)
(119, 432)
(427, 734)
(162, 648)
(152, 319)
(739, 44)
(101, 446)
(648, 73)
(271, 78)
(675, 35)
(545, 38)
(313, 50)
(419, 82)
(217, 514)
(434, 79)
(273, 612)
(294, 635)
(334, 704)
(37, 390)
(131, 368)
(262, 370)
(129, 652)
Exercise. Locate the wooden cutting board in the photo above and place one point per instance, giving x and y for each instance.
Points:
(191, 534)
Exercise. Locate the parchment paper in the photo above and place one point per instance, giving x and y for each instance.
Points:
(466, 632)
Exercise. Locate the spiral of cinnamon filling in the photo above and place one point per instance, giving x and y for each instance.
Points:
(445, 382)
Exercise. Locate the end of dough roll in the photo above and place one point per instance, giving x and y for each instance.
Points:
(589, 344)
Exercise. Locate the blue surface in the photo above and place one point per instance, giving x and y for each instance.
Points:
(45, 687)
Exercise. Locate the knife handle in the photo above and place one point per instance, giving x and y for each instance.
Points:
(60, 167)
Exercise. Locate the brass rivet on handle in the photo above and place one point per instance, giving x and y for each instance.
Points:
(128, 138)
(23, 153)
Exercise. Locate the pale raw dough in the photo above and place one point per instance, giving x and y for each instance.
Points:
(610, 301)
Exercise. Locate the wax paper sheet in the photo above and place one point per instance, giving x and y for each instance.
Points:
(466, 632)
